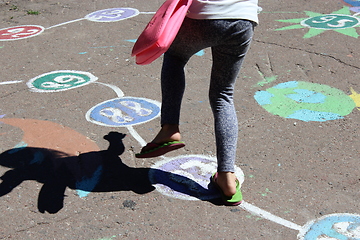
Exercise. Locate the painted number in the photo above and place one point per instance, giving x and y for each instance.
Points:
(125, 111)
(112, 14)
(332, 21)
(60, 81)
(187, 177)
(328, 19)
(116, 115)
(20, 32)
(137, 108)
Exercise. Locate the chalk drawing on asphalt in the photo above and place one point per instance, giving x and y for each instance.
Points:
(10, 82)
(187, 177)
(307, 101)
(20, 32)
(339, 226)
(105, 15)
(60, 81)
(46, 135)
(339, 21)
(51, 135)
(123, 112)
(193, 172)
(112, 14)
(353, 4)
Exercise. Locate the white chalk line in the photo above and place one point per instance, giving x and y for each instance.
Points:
(11, 82)
(116, 89)
(269, 216)
(64, 23)
(135, 134)
(147, 12)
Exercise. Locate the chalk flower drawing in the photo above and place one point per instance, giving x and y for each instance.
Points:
(339, 21)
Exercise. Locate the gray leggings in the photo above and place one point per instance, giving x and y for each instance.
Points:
(229, 41)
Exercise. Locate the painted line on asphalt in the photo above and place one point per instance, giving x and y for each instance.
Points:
(10, 82)
(116, 89)
(64, 23)
(264, 214)
(136, 135)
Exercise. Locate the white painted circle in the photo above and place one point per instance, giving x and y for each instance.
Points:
(187, 177)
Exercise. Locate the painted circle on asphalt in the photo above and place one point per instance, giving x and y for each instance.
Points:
(187, 177)
(305, 101)
(112, 14)
(123, 112)
(60, 81)
(339, 226)
(331, 22)
(20, 32)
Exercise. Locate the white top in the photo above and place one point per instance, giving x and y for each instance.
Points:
(224, 9)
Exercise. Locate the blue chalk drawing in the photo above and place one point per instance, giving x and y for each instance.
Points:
(335, 227)
(86, 185)
(306, 96)
(263, 97)
(38, 158)
(290, 84)
(123, 112)
(18, 147)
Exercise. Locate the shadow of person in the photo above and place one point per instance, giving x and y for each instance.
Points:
(98, 171)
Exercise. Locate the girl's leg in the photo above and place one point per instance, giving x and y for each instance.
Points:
(227, 60)
(189, 41)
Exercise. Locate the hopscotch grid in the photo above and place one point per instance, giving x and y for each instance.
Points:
(245, 206)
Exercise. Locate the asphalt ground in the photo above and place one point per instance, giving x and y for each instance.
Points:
(75, 108)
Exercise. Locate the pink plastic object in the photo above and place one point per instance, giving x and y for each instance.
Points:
(160, 31)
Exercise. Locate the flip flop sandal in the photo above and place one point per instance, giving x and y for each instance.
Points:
(233, 200)
(156, 150)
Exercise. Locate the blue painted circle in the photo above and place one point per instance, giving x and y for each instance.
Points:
(123, 112)
(340, 226)
(112, 14)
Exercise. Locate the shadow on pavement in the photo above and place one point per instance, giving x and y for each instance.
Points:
(101, 171)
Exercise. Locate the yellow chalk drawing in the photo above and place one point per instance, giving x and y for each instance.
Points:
(356, 97)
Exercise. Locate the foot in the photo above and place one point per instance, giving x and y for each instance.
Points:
(227, 183)
(168, 133)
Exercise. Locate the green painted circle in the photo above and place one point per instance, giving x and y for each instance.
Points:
(331, 22)
(60, 81)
